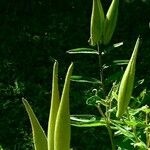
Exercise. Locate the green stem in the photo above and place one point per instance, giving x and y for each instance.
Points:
(104, 92)
(108, 113)
(107, 125)
(147, 132)
(101, 68)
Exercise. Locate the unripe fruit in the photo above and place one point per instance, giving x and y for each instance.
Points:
(110, 21)
(97, 23)
(127, 82)
(62, 125)
(54, 107)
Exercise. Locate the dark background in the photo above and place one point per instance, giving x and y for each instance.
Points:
(33, 31)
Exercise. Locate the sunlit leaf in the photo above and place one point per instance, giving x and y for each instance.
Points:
(115, 96)
(82, 51)
(39, 137)
(117, 44)
(83, 118)
(143, 108)
(123, 130)
(86, 121)
(94, 124)
(135, 123)
(143, 98)
(120, 62)
(120, 148)
(146, 109)
(138, 83)
(112, 47)
(141, 145)
(142, 95)
(85, 79)
(94, 100)
(113, 92)
(112, 110)
(105, 66)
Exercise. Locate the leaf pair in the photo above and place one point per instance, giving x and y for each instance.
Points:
(102, 27)
(58, 136)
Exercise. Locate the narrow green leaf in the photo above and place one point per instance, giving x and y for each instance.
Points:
(121, 62)
(115, 96)
(54, 107)
(82, 51)
(94, 124)
(112, 110)
(86, 121)
(117, 44)
(113, 92)
(138, 83)
(146, 109)
(95, 100)
(109, 48)
(62, 125)
(83, 118)
(85, 79)
(137, 110)
(39, 137)
(121, 148)
(123, 130)
(141, 145)
(135, 123)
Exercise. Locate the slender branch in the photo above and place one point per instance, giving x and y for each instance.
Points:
(109, 107)
(101, 68)
(104, 92)
(107, 125)
(147, 131)
(100, 62)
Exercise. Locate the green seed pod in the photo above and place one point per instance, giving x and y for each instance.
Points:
(110, 21)
(97, 23)
(62, 125)
(39, 137)
(54, 107)
(127, 82)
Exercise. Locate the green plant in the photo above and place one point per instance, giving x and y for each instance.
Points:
(58, 137)
(122, 118)
(132, 123)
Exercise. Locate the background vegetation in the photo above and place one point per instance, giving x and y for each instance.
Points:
(31, 32)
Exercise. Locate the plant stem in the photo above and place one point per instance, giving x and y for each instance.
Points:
(147, 131)
(107, 125)
(104, 92)
(101, 68)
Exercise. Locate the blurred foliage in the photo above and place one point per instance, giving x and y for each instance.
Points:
(31, 32)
